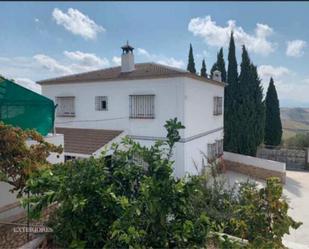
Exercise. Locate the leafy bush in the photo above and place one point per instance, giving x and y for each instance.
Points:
(17, 159)
(134, 201)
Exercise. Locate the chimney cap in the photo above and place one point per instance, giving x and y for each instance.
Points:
(127, 48)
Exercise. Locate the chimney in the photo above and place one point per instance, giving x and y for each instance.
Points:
(127, 59)
(217, 75)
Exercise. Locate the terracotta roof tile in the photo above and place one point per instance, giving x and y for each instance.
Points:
(86, 141)
(142, 71)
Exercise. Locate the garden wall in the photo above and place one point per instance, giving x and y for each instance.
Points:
(294, 158)
(254, 167)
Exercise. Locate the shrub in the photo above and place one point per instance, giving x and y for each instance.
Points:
(17, 159)
(134, 201)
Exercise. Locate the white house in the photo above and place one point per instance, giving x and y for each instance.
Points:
(99, 107)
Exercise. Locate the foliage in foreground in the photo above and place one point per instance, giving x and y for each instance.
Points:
(18, 159)
(133, 201)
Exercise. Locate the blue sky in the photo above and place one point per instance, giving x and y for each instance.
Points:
(48, 39)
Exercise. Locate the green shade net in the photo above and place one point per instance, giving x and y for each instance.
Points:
(24, 108)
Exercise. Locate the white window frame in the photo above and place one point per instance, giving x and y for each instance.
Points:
(211, 151)
(219, 147)
(69, 111)
(142, 106)
(218, 106)
(98, 103)
(215, 150)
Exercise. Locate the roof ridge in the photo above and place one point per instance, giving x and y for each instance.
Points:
(142, 71)
(169, 67)
(88, 72)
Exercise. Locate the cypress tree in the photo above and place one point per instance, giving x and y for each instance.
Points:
(203, 69)
(245, 133)
(249, 109)
(230, 98)
(191, 63)
(213, 68)
(273, 126)
(259, 111)
(219, 65)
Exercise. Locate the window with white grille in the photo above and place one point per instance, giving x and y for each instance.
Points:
(219, 147)
(101, 103)
(65, 106)
(218, 105)
(211, 151)
(215, 150)
(142, 106)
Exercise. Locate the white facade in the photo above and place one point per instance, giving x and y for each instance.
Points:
(190, 100)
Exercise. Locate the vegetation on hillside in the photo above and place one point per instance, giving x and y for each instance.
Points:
(300, 140)
(134, 201)
(294, 121)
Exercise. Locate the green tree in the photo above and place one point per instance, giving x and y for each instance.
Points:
(213, 68)
(203, 69)
(256, 90)
(18, 159)
(245, 109)
(273, 126)
(230, 98)
(191, 63)
(219, 65)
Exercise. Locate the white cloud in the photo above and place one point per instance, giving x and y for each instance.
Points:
(28, 83)
(78, 62)
(141, 51)
(51, 64)
(172, 62)
(116, 60)
(77, 23)
(289, 88)
(295, 48)
(86, 59)
(267, 71)
(279, 74)
(216, 35)
(161, 59)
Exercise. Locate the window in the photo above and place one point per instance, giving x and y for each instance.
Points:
(215, 150)
(217, 105)
(211, 152)
(65, 106)
(101, 103)
(219, 147)
(142, 106)
(68, 158)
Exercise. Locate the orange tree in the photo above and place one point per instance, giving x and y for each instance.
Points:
(18, 159)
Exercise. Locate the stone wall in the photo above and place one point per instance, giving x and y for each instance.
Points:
(294, 158)
(254, 167)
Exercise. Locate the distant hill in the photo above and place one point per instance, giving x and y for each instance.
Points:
(294, 120)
